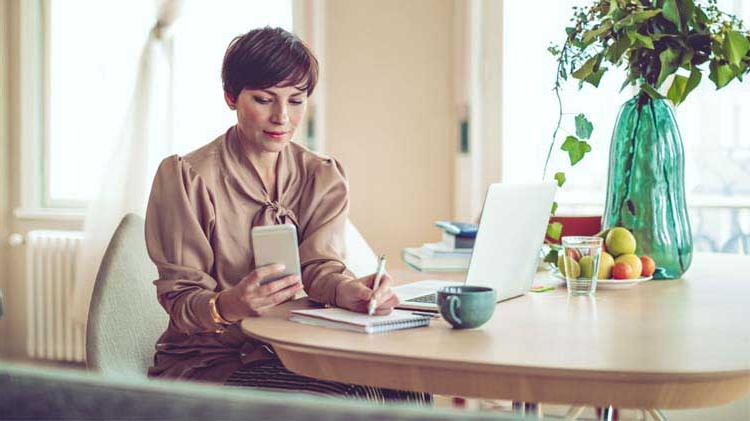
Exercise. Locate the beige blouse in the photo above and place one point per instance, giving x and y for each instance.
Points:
(200, 212)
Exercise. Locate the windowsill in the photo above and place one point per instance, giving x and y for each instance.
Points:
(50, 214)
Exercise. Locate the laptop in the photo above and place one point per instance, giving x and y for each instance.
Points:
(506, 251)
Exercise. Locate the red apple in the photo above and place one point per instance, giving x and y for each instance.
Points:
(622, 270)
(574, 254)
(649, 266)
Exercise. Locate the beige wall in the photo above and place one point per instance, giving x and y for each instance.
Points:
(391, 117)
(4, 174)
(12, 270)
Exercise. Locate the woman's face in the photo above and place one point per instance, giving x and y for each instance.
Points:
(267, 118)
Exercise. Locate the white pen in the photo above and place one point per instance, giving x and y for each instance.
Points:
(378, 274)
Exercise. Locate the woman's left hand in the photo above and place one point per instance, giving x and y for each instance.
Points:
(355, 294)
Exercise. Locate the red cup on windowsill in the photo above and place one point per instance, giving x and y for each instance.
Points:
(581, 225)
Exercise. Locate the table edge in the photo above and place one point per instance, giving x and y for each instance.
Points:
(511, 369)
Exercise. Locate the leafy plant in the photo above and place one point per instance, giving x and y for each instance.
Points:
(653, 40)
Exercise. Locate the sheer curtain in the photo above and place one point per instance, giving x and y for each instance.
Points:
(146, 137)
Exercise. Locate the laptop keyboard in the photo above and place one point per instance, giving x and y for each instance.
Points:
(429, 298)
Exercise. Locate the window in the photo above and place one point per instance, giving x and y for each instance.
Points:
(93, 48)
(716, 137)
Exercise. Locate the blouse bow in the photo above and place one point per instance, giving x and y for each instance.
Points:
(272, 212)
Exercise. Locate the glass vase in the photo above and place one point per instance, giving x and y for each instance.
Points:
(646, 185)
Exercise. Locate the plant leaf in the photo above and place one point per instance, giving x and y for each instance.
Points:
(653, 93)
(575, 148)
(595, 77)
(668, 59)
(677, 90)
(681, 86)
(640, 39)
(588, 68)
(554, 208)
(628, 81)
(720, 74)
(672, 13)
(583, 127)
(551, 257)
(614, 52)
(560, 177)
(645, 15)
(699, 17)
(590, 36)
(635, 18)
(554, 230)
(693, 81)
(735, 47)
(686, 11)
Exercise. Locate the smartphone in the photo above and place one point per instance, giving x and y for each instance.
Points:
(276, 244)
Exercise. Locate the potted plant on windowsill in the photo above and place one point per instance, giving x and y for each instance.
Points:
(666, 47)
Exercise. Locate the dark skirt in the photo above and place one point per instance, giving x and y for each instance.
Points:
(272, 375)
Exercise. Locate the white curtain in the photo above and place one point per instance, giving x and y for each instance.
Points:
(145, 138)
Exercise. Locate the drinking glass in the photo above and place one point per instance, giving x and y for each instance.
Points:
(581, 256)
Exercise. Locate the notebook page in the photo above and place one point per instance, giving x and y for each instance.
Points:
(359, 319)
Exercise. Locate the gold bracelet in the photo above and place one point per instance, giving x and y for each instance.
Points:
(215, 315)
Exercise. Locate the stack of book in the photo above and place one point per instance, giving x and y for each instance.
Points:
(452, 254)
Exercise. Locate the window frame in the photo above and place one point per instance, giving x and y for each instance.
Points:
(32, 77)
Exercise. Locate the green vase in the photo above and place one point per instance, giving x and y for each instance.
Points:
(646, 185)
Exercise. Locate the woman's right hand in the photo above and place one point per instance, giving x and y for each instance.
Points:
(251, 299)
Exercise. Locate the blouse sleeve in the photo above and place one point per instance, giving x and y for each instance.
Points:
(179, 222)
(323, 244)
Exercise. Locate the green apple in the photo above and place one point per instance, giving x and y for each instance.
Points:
(587, 266)
(574, 269)
(620, 241)
(573, 266)
(605, 265)
(560, 264)
(634, 262)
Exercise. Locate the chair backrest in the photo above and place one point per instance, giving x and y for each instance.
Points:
(35, 393)
(125, 318)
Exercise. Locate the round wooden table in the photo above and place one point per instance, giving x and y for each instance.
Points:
(660, 344)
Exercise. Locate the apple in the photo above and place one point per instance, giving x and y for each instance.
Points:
(622, 270)
(649, 266)
(603, 235)
(573, 269)
(561, 263)
(620, 241)
(633, 261)
(587, 266)
(605, 265)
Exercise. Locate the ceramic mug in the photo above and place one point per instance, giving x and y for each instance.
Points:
(466, 307)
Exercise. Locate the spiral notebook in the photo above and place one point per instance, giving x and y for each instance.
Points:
(358, 322)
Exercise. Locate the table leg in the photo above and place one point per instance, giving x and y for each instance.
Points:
(657, 415)
(608, 413)
(525, 409)
(574, 412)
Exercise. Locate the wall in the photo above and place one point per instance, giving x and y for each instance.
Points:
(391, 115)
(4, 149)
(18, 113)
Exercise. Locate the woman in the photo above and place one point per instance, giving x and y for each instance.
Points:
(203, 206)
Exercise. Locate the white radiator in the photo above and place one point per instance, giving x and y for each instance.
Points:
(50, 274)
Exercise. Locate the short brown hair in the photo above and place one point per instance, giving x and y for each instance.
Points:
(266, 57)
